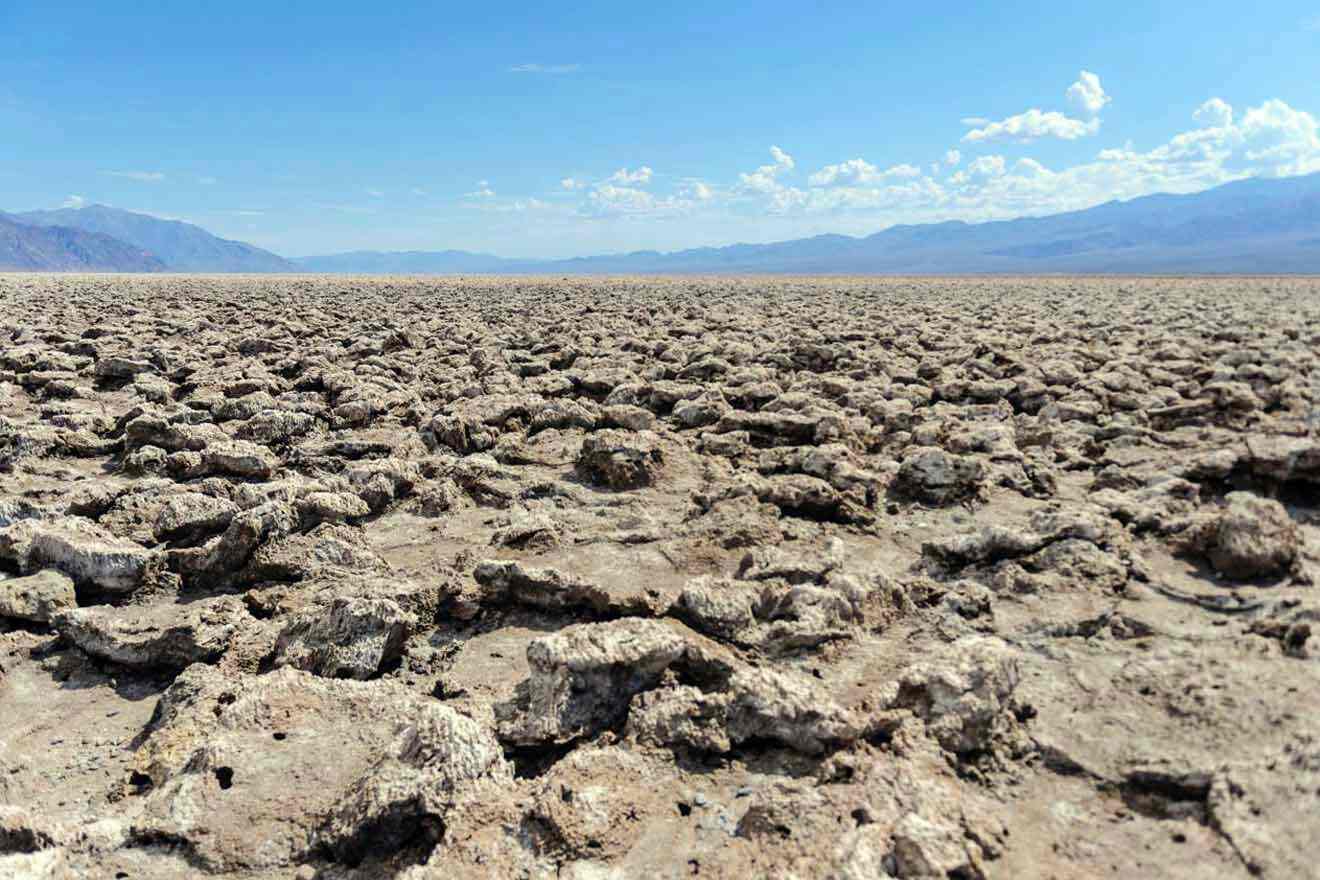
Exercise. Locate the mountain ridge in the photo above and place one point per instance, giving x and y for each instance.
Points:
(28, 248)
(1235, 227)
(1250, 226)
(180, 246)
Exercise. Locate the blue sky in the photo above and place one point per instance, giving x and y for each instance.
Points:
(316, 127)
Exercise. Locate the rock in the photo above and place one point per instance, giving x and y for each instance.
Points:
(1252, 537)
(331, 507)
(80, 549)
(926, 849)
(621, 459)
(191, 515)
(352, 637)
(437, 760)
(584, 675)
(159, 636)
(936, 477)
(225, 753)
(548, 588)
(965, 694)
(37, 597)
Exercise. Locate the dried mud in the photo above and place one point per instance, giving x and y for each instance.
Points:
(955, 578)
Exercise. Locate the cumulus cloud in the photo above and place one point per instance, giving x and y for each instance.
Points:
(74, 202)
(483, 191)
(1087, 94)
(606, 198)
(1271, 139)
(695, 189)
(764, 178)
(1215, 112)
(640, 177)
(572, 183)
(545, 68)
(987, 166)
(141, 176)
(1032, 125)
(859, 171)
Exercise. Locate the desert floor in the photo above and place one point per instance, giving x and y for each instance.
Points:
(325, 577)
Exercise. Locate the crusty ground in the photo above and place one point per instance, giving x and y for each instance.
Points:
(838, 577)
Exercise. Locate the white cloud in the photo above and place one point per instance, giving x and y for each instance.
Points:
(695, 189)
(483, 191)
(1032, 125)
(572, 183)
(987, 166)
(607, 198)
(1087, 94)
(545, 68)
(763, 179)
(641, 176)
(860, 171)
(1030, 168)
(1215, 112)
(74, 202)
(141, 176)
(1271, 139)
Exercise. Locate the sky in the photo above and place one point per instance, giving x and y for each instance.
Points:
(553, 130)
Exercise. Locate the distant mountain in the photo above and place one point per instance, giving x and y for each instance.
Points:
(405, 263)
(1249, 226)
(28, 248)
(182, 247)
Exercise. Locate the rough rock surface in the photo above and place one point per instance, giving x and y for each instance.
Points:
(349, 578)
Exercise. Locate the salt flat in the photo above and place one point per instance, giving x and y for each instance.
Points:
(794, 577)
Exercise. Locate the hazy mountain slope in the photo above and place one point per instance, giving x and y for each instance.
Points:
(1249, 226)
(404, 262)
(182, 247)
(57, 248)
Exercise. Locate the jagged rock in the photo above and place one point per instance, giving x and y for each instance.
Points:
(965, 694)
(438, 759)
(934, 476)
(1252, 537)
(83, 550)
(192, 515)
(757, 703)
(331, 507)
(584, 675)
(167, 636)
(621, 459)
(37, 597)
(352, 637)
(930, 850)
(504, 582)
(298, 557)
(262, 772)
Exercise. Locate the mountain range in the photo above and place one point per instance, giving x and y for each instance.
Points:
(1257, 225)
(65, 249)
(181, 247)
